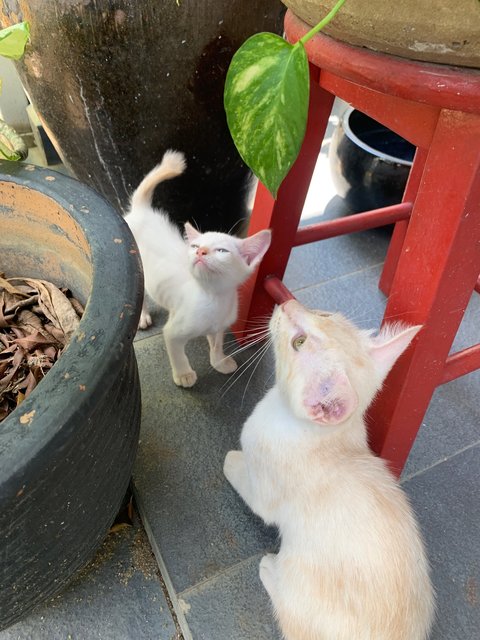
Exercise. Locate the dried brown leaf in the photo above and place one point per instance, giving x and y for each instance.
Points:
(36, 321)
(8, 286)
(33, 340)
(56, 306)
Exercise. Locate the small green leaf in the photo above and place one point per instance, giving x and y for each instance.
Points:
(266, 102)
(13, 40)
(12, 146)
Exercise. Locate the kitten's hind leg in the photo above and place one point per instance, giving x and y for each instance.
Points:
(218, 360)
(145, 318)
(183, 374)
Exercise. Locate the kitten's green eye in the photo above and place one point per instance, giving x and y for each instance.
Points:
(298, 342)
(194, 246)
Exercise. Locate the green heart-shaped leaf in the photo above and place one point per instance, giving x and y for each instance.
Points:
(13, 40)
(266, 102)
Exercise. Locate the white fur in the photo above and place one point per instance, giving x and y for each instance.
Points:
(351, 565)
(195, 279)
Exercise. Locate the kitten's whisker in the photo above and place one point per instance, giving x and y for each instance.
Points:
(197, 226)
(241, 370)
(235, 224)
(253, 336)
(259, 359)
(267, 382)
(265, 317)
(251, 329)
(244, 367)
(253, 332)
(247, 346)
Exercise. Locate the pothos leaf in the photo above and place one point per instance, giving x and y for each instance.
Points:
(13, 40)
(266, 102)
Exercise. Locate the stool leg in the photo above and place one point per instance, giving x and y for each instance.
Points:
(434, 280)
(282, 215)
(398, 236)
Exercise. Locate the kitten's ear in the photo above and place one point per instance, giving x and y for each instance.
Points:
(389, 345)
(255, 247)
(190, 232)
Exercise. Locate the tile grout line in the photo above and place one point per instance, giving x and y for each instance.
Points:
(415, 474)
(176, 605)
(220, 573)
(342, 277)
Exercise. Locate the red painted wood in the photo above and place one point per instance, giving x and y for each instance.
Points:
(414, 121)
(433, 261)
(435, 84)
(283, 215)
(461, 363)
(351, 224)
(398, 235)
(277, 290)
(434, 280)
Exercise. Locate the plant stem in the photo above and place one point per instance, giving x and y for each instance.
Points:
(323, 22)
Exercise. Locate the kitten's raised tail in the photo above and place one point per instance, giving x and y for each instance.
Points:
(172, 165)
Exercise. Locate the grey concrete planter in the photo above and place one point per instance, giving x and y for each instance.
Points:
(435, 31)
(66, 452)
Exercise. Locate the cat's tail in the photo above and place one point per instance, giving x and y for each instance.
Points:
(172, 165)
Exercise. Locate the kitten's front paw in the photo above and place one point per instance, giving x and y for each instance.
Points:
(226, 365)
(232, 465)
(267, 572)
(145, 320)
(186, 380)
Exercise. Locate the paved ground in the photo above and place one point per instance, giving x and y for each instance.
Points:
(206, 542)
(206, 539)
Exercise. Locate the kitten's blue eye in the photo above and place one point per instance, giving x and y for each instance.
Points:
(194, 246)
(220, 250)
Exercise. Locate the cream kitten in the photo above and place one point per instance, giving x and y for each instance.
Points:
(195, 279)
(351, 564)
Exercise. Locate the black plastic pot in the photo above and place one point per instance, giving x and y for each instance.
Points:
(369, 163)
(67, 451)
(117, 83)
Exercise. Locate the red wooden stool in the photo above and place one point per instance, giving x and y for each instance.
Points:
(433, 260)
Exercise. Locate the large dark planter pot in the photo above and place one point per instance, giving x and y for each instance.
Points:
(67, 451)
(117, 83)
(369, 163)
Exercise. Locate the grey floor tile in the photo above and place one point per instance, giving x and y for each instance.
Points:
(116, 597)
(356, 296)
(232, 606)
(446, 499)
(197, 520)
(451, 423)
(320, 262)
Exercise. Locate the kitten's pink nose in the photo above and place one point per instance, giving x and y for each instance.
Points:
(202, 251)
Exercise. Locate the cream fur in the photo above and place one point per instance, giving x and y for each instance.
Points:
(351, 564)
(195, 278)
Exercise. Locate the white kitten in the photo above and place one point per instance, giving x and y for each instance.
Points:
(195, 279)
(351, 564)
